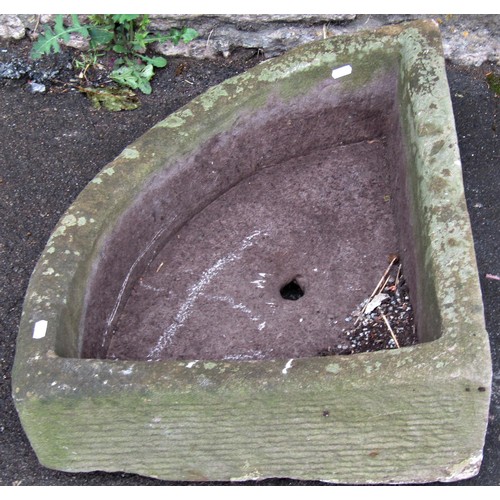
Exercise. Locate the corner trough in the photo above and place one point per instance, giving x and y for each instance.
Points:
(174, 323)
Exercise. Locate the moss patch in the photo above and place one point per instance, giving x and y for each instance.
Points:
(493, 83)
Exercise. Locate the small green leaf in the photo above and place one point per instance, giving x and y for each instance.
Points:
(120, 49)
(140, 41)
(145, 87)
(184, 34)
(60, 29)
(143, 23)
(75, 21)
(100, 36)
(188, 34)
(157, 62)
(45, 43)
(148, 72)
(125, 75)
(83, 30)
(175, 35)
(124, 18)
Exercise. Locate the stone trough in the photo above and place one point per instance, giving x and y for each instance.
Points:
(158, 337)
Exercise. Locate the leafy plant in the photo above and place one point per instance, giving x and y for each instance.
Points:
(127, 35)
(48, 41)
(134, 75)
(87, 60)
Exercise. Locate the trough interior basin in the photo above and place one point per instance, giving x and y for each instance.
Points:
(308, 191)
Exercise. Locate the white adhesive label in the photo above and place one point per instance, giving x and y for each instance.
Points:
(287, 367)
(40, 329)
(342, 71)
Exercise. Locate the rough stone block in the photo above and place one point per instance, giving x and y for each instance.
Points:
(409, 415)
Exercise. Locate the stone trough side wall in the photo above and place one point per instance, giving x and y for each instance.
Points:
(467, 39)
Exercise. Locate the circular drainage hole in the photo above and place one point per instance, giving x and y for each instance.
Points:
(292, 290)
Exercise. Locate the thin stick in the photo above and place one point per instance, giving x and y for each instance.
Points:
(385, 283)
(159, 267)
(398, 276)
(208, 39)
(390, 329)
(492, 277)
(377, 288)
(37, 22)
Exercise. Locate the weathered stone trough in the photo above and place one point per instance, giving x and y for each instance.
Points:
(155, 337)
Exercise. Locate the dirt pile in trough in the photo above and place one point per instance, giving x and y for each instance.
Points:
(382, 321)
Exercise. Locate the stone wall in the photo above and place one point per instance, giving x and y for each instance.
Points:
(467, 39)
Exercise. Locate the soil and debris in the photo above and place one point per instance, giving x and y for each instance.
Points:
(385, 320)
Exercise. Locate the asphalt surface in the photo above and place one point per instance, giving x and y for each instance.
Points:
(52, 144)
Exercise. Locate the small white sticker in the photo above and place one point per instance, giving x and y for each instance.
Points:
(342, 71)
(40, 329)
(287, 367)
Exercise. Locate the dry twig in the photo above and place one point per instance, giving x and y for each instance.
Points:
(208, 38)
(38, 17)
(390, 329)
(396, 283)
(380, 286)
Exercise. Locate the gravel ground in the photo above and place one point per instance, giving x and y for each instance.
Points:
(53, 143)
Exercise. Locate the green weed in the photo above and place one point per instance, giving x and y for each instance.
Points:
(126, 35)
